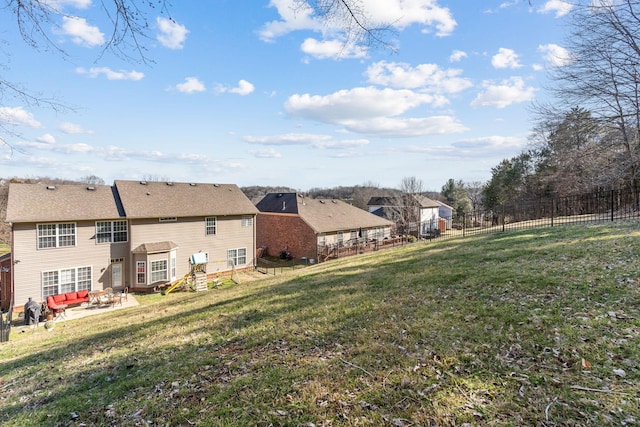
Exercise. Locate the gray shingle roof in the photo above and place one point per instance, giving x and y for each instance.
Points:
(179, 199)
(74, 202)
(323, 216)
(69, 202)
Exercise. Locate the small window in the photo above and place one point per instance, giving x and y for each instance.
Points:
(168, 219)
(141, 273)
(211, 226)
(247, 221)
(237, 256)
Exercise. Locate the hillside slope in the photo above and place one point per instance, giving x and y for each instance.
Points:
(537, 327)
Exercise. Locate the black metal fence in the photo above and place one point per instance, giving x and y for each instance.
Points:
(596, 207)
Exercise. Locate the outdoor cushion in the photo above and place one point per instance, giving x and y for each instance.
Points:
(59, 299)
(71, 296)
(83, 294)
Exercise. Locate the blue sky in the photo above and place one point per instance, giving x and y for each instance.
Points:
(258, 95)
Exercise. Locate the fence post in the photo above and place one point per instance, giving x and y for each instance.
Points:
(612, 196)
(553, 210)
(464, 224)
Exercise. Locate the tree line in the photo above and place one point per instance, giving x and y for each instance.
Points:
(587, 137)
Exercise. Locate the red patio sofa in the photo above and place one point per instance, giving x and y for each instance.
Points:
(55, 302)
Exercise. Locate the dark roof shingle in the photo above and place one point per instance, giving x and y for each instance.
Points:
(68, 202)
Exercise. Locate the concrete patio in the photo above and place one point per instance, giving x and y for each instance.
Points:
(81, 311)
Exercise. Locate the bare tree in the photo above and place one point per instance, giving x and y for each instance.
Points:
(602, 76)
(92, 180)
(405, 209)
(362, 194)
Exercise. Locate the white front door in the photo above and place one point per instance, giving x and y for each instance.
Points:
(116, 275)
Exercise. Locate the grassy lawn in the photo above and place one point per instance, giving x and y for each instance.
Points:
(535, 327)
(4, 248)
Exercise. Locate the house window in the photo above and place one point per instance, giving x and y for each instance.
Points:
(211, 226)
(141, 273)
(354, 235)
(322, 240)
(168, 219)
(56, 235)
(158, 270)
(247, 221)
(340, 239)
(111, 231)
(49, 283)
(237, 256)
(65, 280)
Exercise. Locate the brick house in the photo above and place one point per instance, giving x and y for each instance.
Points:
(290, 222)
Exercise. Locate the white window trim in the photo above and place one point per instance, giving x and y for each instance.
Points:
(57, 235)
(59, 275)
(154, 271)
(142, 264)
(208, 227)
(112, 231)
(235, 258)
(247, 221)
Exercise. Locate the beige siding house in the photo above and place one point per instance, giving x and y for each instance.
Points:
(133, 234)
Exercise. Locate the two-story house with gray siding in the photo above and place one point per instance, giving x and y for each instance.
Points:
(134, 234)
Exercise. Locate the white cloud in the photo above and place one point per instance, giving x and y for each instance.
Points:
(357, 103)
(244, 88)
(403, 13)
(307, 139)
(505, 58)
(47, 138)
(191, 85)
(560, 7)
(475, 148)
(17, 116)
(267, 153)
(57, 148)
(293, 18)
(289, 139)
(406, 127)
(555, 55)
(457, 55)
(81, 32)
(72, 128)
(369, 111)
(78, 4)
(335, 49)
(428, 77)
(172, 35)
(110, 74)
(396, 13)
(511, 91)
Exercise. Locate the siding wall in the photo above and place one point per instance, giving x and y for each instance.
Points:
(279, 232)
(31, 261)
(189, 235)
